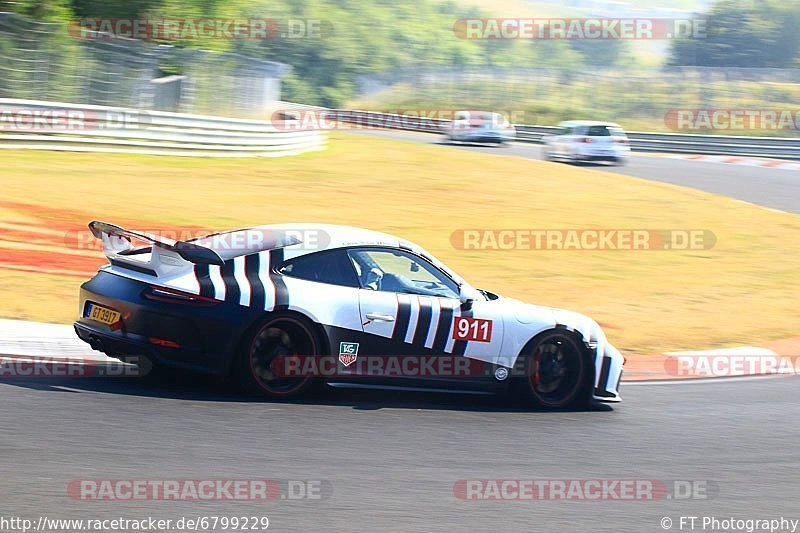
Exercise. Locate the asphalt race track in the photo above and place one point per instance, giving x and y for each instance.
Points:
(770, 187)
(392, 458)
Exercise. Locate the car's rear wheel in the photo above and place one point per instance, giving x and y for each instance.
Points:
(270, 361)
(557, 373)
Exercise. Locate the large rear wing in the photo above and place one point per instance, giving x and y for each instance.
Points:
(162, 257)
(117, 244)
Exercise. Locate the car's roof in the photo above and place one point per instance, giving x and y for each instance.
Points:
(318, 237)
(589, 123)
(299, 239)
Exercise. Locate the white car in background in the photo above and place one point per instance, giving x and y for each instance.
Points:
(479, 127)
(583, 140)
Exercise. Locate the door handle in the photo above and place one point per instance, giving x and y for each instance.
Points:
(380, 316)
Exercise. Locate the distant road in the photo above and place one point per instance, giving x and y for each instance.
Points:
(770, 187)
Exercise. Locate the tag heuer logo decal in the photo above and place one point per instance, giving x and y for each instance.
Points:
(348, 353)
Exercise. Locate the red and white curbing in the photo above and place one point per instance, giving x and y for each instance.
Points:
(777, 358)
(744, 161)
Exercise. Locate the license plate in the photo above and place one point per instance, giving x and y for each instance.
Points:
(102, 314)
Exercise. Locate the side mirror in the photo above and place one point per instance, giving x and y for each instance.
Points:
(463, 297)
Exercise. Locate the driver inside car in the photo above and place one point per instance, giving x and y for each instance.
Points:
(373, 279)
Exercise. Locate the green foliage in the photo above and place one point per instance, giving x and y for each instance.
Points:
(637, 100)
(343, 39)
(745, 33)
(45, 10)
(119, 9)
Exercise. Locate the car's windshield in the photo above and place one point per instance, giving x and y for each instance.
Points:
(397, 271)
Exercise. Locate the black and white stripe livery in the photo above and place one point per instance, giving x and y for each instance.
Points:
(425, 322)
(244, 280)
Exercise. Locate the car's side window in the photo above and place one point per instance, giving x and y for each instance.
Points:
(331, 266)
(391, 270)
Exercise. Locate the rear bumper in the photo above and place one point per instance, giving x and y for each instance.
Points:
(482, 136)
(114, 345)
(605, 157)
(173, 334)
(610, 154)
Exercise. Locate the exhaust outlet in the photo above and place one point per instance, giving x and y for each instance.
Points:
(95, 343)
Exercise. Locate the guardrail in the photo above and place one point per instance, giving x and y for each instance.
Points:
(34, 124)
(776, 147)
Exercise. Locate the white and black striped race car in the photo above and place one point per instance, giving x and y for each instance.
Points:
(283, 306)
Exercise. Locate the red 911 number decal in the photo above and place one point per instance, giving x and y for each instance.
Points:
(472, 329)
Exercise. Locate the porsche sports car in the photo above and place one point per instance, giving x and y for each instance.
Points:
(282, 307)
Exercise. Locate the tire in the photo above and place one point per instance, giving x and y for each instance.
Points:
(275, 340)
(557, 373)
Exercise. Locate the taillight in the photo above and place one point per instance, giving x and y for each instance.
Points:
(163, 342)
(164, 294)
(623, 140)
(120, 324)
(586, 140)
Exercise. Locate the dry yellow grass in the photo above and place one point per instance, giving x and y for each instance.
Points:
(743, 291)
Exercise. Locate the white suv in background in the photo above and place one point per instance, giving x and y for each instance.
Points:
(583, 140)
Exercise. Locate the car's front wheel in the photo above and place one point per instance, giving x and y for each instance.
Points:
(271, 359)
(557, 373)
